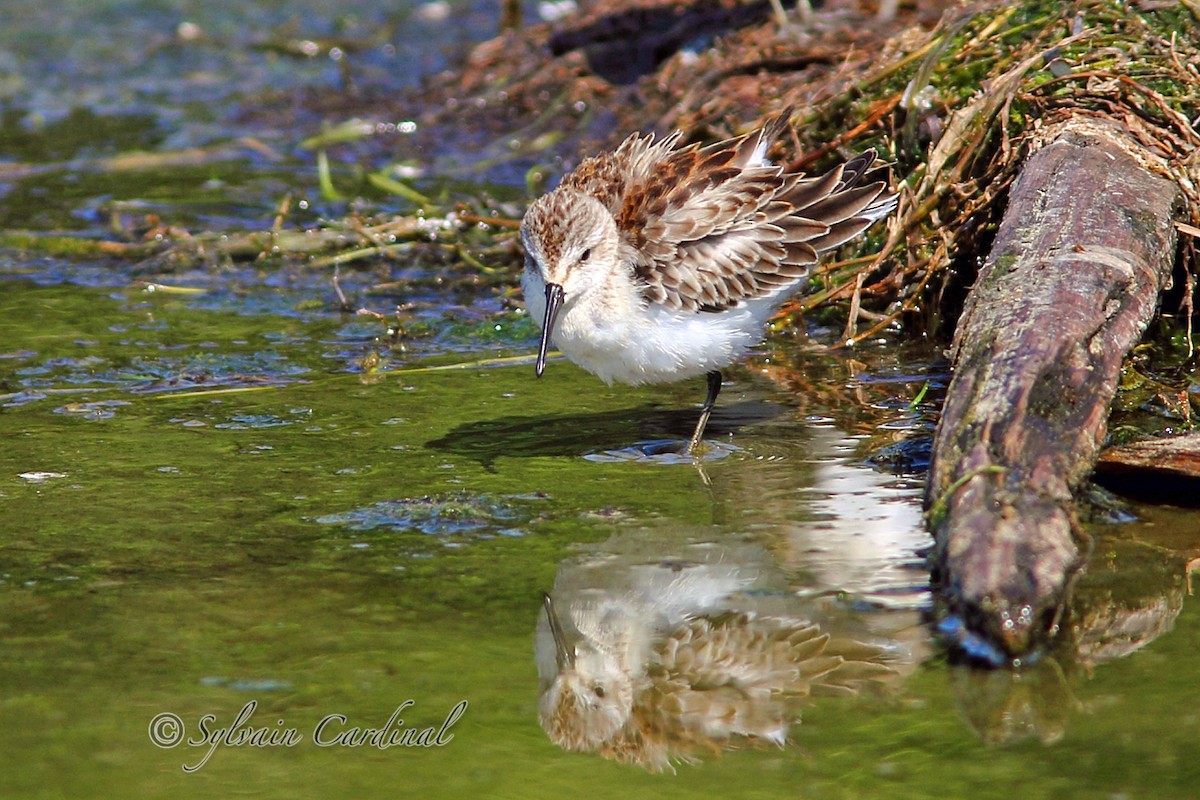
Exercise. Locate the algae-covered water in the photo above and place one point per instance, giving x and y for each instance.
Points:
(240, 530)
(204, 509)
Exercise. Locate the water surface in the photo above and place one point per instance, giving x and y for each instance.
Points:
(240, 495)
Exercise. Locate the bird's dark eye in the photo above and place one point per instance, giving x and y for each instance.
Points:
(585, 255)
(599, 691)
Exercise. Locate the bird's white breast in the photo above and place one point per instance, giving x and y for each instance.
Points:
(630, 341)
(612, 331)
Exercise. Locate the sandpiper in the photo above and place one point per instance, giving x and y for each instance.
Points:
(657, 262)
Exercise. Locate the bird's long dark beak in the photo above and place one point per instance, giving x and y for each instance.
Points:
(554, 298)
(564, 654)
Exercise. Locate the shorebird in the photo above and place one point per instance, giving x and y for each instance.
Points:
(658, 262)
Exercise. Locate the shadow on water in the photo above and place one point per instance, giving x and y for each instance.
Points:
(580, 434)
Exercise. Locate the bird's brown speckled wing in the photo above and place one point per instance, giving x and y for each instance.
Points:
(709, 229)
(610, 177)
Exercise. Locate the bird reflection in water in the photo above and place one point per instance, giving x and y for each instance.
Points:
(651, 657)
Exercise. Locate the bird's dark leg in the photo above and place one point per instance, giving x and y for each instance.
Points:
(714, 389)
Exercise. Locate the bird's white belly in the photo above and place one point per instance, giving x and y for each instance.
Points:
(652, 344)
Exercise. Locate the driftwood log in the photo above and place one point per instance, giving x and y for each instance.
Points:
(1073, 278)
(1154, 470)
(1174, 460)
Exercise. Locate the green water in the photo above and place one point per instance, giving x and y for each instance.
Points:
(324, 542)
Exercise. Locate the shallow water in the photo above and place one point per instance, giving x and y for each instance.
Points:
(321, 542)
(238, 495)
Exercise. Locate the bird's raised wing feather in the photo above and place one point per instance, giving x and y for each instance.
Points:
(712, 226)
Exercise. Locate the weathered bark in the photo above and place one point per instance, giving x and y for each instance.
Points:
(1073, 278)
(1165, 469)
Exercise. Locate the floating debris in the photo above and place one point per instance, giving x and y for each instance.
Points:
(462, 514)
(41, 477)
(99, 409)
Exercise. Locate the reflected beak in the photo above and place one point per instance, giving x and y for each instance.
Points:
(564, 654)
(554, 298)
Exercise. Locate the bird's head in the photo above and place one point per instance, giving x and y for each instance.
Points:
(571, 245)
